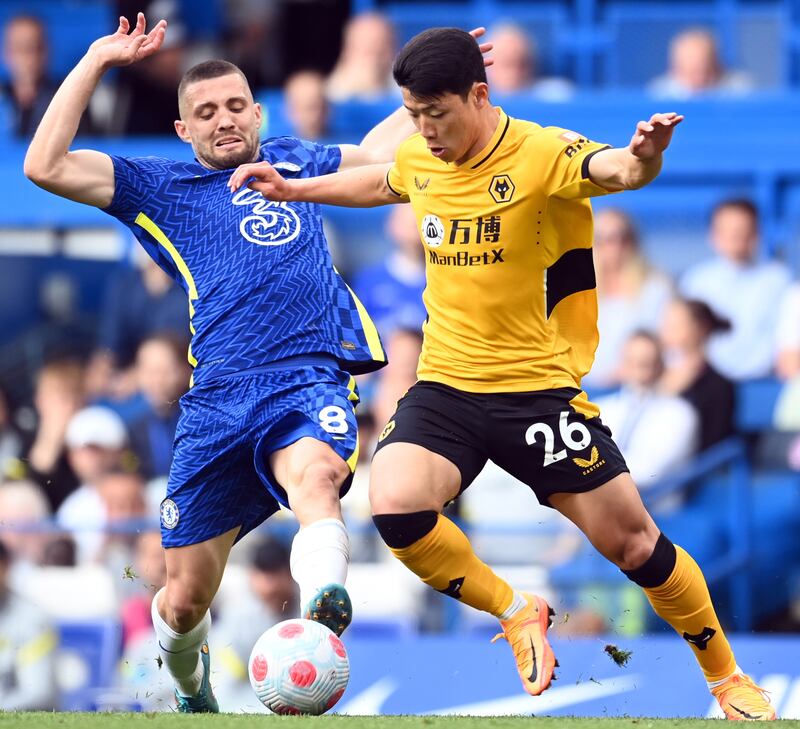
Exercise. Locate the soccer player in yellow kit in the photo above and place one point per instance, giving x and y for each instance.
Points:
(503, 212)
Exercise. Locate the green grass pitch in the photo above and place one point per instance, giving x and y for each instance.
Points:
(39, 720)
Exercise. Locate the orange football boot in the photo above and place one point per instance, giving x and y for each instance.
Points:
(526, 633)
(742, 700)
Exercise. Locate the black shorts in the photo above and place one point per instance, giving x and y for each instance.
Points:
(537, 437)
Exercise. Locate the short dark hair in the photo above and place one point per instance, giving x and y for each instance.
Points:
(439, 61)
(738, 203)
(214, 68)
(270, 556)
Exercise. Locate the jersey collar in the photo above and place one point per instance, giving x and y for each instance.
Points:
(481, 157)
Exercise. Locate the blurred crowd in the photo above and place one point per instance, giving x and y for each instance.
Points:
(86, 436)
(141, 99)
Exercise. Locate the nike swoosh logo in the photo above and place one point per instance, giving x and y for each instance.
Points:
(744, 713)
(534, 670)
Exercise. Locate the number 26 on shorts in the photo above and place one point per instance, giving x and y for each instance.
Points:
(575, 436)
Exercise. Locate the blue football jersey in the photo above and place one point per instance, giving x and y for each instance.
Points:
(260, 280)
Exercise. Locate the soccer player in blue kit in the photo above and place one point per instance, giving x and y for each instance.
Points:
(276, 336)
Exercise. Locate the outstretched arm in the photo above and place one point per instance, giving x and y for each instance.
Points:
(640, 162)
(361, 187)
(382, 141)
(85, 175)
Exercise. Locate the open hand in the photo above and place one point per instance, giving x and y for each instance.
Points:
(652, 137)
(264, 178)
(485, 47)
(123, 47)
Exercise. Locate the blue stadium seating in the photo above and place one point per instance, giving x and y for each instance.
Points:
(88, 651)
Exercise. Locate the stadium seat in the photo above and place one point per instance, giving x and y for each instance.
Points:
(755, 404)
(87, 657)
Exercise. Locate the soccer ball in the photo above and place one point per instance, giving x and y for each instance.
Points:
(299, 667)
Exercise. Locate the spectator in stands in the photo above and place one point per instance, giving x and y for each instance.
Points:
(10, 439)
(787, 367)
(96, 440)
(27, 650)
(391, 290)
(306, 106)
(364, 69)
(145, 100)
(272, 597)
(122, 494)
(787, 363)
(28, 90)
(24, 512)
(58, 395)
(655, 432)
(695, 69)
(403, 348)
(255, 40)
(150, 576)
(139, 301)
(162, 372)
(685, 332)
(631, 295)
(740, 288)
(515, 67)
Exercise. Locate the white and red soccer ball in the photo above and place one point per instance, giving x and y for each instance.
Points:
(299, 667)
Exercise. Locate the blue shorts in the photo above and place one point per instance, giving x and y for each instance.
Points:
(220, 476)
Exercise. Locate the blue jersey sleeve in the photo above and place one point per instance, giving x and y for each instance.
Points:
(327, 157)
(136, 179)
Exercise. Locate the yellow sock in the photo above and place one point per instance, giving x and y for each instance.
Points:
(683, 601)
(444, 559)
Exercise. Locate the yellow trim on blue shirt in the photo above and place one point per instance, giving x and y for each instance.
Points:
(144, 222)
(370, 330)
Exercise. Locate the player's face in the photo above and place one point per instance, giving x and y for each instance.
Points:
(450, 125)
(221, 121)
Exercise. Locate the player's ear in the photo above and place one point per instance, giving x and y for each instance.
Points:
(181, 131)
(481, 93)
(259, 114)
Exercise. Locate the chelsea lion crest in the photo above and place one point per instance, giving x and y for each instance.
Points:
(169, 514)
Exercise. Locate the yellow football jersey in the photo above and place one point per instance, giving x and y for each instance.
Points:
(511, 298)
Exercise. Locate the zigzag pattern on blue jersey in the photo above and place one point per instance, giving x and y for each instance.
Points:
(265, 281)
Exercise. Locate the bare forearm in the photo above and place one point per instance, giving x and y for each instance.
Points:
(361, 187)
(60, 123)
(619, 169)
(382, 141)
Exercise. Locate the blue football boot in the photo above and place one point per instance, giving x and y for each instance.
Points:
(204, 702)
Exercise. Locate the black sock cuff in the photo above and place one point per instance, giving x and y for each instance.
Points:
(402, 530)
(658, 567)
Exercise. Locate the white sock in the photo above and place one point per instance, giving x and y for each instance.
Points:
(320, 556)
(181, 651)
(516, 605)
(714, 684)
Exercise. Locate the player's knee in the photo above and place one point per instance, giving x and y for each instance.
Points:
(399, 531)
(324, 476)
(393, 494)
(185, 606)
(657, 566)
(634, 549)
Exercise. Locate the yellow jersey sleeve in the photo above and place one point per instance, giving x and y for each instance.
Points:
(568, 175)
(394, 177)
